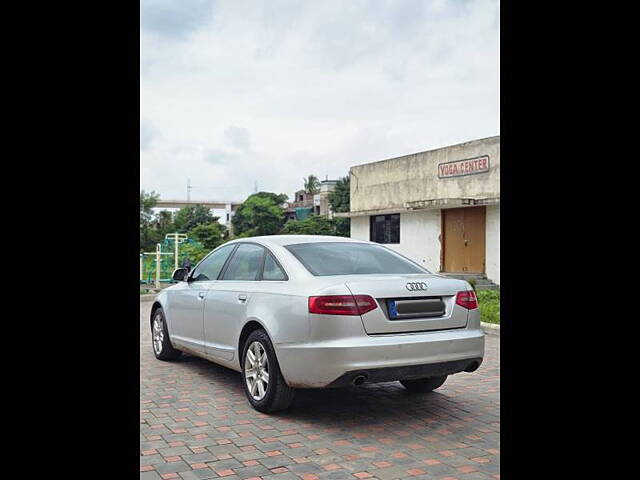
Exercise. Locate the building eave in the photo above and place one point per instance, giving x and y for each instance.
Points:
(431, 204)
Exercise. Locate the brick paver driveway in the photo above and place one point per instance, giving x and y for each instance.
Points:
(196, 423)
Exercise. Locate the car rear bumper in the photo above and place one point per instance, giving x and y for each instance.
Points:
(411, 372)
(380, 358)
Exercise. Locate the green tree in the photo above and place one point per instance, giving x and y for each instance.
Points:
(312, 184)
(343, 226)
(211, 235)
(163, 222)
(313, 225)
(277, 198)
(259, 214)
(187, 218)
(147, 202)
(194, 251)
(339, 200)
(148, 235)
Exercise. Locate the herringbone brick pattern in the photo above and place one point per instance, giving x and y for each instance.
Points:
(195, 423)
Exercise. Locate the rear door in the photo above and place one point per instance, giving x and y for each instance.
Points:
(410, 303)
(227, 299)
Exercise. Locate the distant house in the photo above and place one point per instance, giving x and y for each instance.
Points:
(306, 204)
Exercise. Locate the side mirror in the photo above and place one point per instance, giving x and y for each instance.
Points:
(180, 274)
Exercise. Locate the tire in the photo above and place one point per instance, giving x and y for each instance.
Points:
(424, 385)
(277, 395)
(160, 342)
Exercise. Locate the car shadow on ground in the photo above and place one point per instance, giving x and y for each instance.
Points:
(368, 405)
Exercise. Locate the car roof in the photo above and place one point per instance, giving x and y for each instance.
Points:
(283, 240)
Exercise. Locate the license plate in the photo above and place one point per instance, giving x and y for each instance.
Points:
(393, 308)
(408, 308)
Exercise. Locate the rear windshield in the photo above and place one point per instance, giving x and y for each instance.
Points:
(342, 258)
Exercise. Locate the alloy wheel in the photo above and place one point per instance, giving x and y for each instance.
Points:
(256, 370)
(158, 334)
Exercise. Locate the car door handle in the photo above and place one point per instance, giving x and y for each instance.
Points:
(242, 298)
(201, 296)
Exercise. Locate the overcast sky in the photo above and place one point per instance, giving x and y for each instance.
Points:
(237, 92)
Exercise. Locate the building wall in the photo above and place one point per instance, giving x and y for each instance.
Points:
(419, 236)
(394, 182)
(326, 187)
(392, 185)
(360, 228)
(325, 206)
(493, 243)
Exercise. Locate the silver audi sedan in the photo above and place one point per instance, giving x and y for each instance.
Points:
(299, 311)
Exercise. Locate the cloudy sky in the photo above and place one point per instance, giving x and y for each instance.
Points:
(235, 92)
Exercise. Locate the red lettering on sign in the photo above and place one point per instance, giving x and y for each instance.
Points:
(464, 167)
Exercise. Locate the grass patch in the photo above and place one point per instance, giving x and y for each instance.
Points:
(489, 301)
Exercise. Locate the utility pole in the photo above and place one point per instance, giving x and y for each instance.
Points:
(189, 187)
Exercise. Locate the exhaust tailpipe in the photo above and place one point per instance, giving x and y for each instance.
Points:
(472, 367)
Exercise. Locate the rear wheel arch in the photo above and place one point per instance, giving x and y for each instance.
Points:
(250, 326)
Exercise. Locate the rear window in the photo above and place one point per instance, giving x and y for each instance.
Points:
(342, 258)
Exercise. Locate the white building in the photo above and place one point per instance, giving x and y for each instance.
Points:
(224, 210)
(441, 208)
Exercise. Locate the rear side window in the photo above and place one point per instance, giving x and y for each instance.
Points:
(342, 258)
(245, 263)
(272, 270)
(210, 267)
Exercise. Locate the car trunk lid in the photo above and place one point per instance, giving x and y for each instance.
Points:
(410, 303)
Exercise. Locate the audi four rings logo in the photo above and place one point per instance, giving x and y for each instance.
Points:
(414, 286)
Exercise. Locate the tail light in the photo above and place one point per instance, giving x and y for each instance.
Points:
(467, 299)
(342, 304)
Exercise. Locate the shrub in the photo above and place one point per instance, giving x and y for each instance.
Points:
(489, 301)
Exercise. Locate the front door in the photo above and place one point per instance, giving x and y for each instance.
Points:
(187, 301)
(464, 239)
(186, 310)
